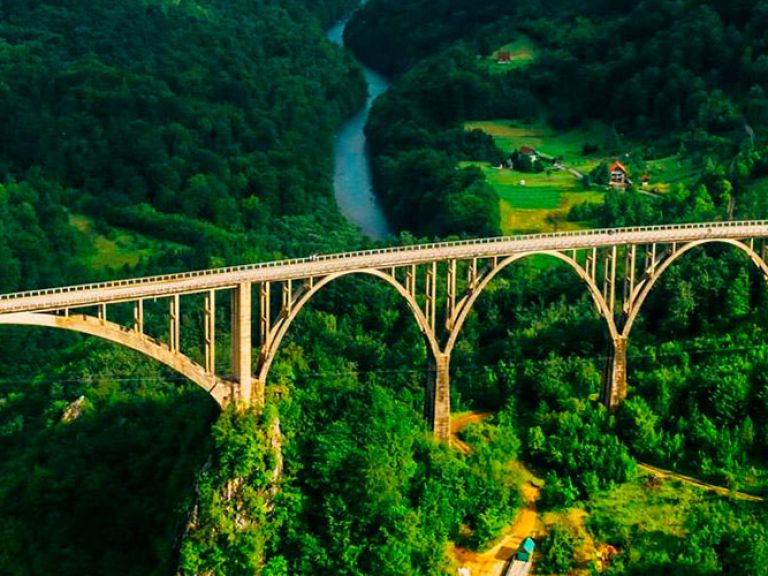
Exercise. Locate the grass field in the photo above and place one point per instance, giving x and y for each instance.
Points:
(755, 201)
(671, 170)
(760, 185)
(653, 516)
(121, 248)
(521, 53)
(541, 204)
(543, 201)
(566, 144)
(649, 509)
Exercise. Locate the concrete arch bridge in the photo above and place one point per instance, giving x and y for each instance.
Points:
(619, 267)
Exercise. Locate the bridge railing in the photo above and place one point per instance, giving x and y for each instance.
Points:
(612, 232)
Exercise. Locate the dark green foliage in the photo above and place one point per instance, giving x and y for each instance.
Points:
(558, 550)
(186, 121)
(209, 124)
(205, 123)
(600, 174)
(580, 446)
(655, 65)
(427, 194)
(688, 78)
(416, 139)
(235, 490)
(37, 244)
(366, 491)
(107, 491)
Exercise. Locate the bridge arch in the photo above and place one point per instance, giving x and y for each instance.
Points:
(279, 331)
(219, 389)
(467, 303)
(642, 295)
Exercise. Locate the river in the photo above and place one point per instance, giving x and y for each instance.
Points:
(352, 181)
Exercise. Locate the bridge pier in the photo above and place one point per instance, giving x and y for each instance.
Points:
(615, 376)
(438, 396)
(242, 371)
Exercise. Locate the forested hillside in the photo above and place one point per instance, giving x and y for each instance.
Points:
(199, 133)
(665, 76)
(668, 78)
(206, 123)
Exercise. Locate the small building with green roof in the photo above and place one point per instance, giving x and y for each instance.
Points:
(525, 551)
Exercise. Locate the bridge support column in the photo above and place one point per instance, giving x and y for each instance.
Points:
(241, 344)
(438, 398)
(615, 377)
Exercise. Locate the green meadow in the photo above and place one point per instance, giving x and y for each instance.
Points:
(521, 53)
(567, 144)
(115, 247)
(536, 202)
(539, 202)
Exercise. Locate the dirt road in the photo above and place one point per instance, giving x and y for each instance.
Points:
(460, 422)
(493, 561)
(661, 473)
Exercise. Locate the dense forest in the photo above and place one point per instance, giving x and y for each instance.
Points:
(204, 129)
(205, 123)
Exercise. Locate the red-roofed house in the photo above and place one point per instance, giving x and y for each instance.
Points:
(504, 57)
(618, 174)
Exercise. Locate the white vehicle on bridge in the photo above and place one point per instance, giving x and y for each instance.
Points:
(521, 563)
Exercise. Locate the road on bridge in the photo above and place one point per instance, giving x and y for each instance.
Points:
(382, 258)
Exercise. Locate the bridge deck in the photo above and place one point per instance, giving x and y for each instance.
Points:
(299, 268)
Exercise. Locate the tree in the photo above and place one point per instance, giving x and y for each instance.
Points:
(557, 550)
(640, 426)
(737, 303)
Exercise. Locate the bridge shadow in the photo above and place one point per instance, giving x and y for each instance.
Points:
(107, 491)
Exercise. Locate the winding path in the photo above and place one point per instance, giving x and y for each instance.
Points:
(493, 562)
(461, 421)
(722, 490)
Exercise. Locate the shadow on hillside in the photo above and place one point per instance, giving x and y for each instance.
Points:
(106, 493)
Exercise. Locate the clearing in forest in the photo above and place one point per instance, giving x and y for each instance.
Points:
(666, 172)
(651, 511)
(516, 54)
(114, 247)
(569, 145)
(540, 201)
(536, 202)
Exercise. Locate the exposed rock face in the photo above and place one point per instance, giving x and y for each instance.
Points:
(74, 410)
(276, 443)
(235, 495)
